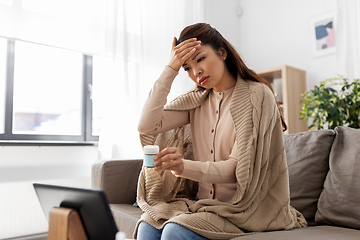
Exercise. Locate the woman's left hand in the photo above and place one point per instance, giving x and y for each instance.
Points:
(169, 159)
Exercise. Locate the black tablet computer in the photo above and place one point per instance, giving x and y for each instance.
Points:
(91, 204)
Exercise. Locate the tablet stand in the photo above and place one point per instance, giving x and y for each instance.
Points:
(65, 224)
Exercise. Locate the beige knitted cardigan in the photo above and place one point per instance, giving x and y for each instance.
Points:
(262, 199)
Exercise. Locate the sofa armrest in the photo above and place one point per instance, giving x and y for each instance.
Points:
(117, 178)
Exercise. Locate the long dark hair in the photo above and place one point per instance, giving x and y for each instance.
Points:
(236, 66)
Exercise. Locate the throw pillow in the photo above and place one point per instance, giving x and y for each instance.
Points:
(339, 201)
(307, 156)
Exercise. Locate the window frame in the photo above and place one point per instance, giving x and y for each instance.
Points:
(86, 136)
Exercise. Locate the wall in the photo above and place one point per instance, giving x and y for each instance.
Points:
(274, 33)
(224, 17)
(20, 166)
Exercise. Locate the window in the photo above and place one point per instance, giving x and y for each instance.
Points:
(47, 90)
(49, 97)
(101, 72)
(2, 83)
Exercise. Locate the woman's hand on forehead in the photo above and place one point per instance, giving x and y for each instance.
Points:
(181, 52)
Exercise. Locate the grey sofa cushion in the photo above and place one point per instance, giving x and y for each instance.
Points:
(117, 178)
(339, 203)
(126, 217)
(307, 156)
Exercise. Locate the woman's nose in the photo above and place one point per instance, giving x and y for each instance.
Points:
(197, 72)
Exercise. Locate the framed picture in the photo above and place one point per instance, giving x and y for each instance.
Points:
(323, 34)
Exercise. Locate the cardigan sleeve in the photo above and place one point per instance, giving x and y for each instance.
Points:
(212, 172)
(154, 119)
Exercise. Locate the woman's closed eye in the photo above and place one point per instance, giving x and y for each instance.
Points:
(200, 59)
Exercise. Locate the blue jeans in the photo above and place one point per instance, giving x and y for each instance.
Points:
(171, 231)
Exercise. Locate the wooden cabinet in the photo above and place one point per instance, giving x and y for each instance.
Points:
(289, 83)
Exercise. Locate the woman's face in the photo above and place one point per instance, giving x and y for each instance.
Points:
(207, 69)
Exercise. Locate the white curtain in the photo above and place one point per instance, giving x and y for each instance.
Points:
(348, 40)
(138, 43)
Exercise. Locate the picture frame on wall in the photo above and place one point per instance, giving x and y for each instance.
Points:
(323, 34)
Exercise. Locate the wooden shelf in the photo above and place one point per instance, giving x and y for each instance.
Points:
(293, 84)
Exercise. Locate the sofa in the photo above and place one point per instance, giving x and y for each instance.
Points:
(324, 177)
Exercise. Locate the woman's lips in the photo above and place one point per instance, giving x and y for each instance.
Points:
(203, 80)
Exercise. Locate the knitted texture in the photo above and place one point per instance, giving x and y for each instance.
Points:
(262, 199)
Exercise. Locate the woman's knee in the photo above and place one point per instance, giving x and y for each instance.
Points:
(147, 232)
(175, 231)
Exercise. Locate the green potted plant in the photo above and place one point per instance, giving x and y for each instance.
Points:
(336, 102)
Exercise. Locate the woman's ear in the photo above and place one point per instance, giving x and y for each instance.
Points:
(223, 53)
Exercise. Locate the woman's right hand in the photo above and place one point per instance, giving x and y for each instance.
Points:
(180, 53)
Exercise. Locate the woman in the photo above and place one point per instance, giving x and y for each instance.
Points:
(225, 135)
